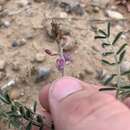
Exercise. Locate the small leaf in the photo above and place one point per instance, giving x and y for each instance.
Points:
(125, 87)
(13, 114)
(109, 29)
(17, 104)
(102, 32)
(125, 73)
(109, 79)
(100, 37)
(107, 89)
(29, 126)
(117, 38)
(22, 111)
(107, 62)
(105, 45)
(28, 114)
(107, 53)
(122, 56)
(121, 48)
(13, 107)
(3, 98)
(34, 106)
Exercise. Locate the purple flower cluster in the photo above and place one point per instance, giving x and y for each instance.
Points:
(61, 60)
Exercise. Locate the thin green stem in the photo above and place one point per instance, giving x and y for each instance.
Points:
(118, 70)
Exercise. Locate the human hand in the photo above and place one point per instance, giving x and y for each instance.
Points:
(75, 105)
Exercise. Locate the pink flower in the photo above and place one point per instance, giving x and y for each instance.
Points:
(60, 64)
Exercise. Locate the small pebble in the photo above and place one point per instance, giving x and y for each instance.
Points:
(15, 66)
(69, 43)
(22, 3)
(100, 3)
(9, 85)
(5, 23)
(2, 65)
(22, 42)
(42, 74)
(29, 35)
(40, 57)
(14, 44)
(114, 14)
(15, 94)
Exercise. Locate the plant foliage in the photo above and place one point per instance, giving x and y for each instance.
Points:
(118, 56)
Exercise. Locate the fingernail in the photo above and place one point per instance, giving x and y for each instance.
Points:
(65, 87)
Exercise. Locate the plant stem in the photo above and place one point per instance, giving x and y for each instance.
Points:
(118, 70)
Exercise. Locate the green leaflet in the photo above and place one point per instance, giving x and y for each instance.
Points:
(105, 45)
(121, 57)
(117, 38)
(5, 98)
(107, 62)
(125, 73)
(102, 32)
(121, 49)
(34, 106)
(109, 29)
(107, 53)
(109, 79)
(29, 126)
(107, 89)
(100, 37)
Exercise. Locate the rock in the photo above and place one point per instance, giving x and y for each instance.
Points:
(29, 35)
(114, 14)
(15, 94)
(19, 43)
(9, 85)
(2, 65)
(14, 44)
(69, 43)
(96, 9)
(42, 73)
(63, 15)
(125, 67)
(5, 23)
(72, 7)
(40, 57)
(2, 75)
(22, 42)
(15, 66)
(100, 3)
(22, 3)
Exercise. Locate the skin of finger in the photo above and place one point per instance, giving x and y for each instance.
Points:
(43, 97)
(89, 109)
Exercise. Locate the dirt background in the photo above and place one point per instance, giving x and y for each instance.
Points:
(24, 29)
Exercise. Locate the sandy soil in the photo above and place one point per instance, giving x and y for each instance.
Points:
(29, 23)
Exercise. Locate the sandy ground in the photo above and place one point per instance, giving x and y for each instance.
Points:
(24, 35)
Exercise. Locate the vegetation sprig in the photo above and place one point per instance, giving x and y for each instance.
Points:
(114, 57)
(19, 116)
